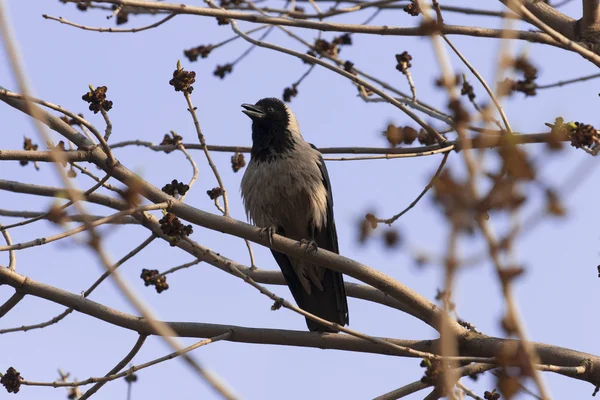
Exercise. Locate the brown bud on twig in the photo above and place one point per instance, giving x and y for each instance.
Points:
(97, 99)
(182, 80)
(237, 162)
(11, 380)
(200, 51)
(175, 188)
(173, 140)
(223, 70)
(214, 193)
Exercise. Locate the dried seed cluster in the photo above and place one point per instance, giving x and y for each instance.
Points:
(122, 17)
(59, 147)
(29, 146)
(312, 54)
(459, 114)
(172, 227)
(171, 140)
(223, 70)
(237, 162)
(584, 135)
(349, 67)
(290, 92)
(131, 378)
(467, 90)
(97, 99)
(493, 395)
(227, 3)
(434, 375)
(149, 278)
(391, 238)
(200, 51)
(456, 80)
(397, 135)
(175, 188)
(214, 193)
(526, 85)
(11, 380)
(57, 214)
(222, 20)
(366, 227)
(324, 47)
(403, 62)
(332, 49)
(412, 9)
(183, 80)
(343, 40)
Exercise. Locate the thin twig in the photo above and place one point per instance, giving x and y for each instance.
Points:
(212, 165)
(194, 169)
(134, 368)
(111, 30)
(84, 227)
(12, 257)
(86, 293)
(132, 353)
(489, 91)
(568, 81)
(11, 303)
(174, 269)
(393, 219)
(108, 186)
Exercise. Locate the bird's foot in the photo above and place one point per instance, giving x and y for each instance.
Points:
(269, 231)
(309, 245)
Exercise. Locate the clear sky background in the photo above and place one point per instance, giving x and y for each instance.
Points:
(558, 296)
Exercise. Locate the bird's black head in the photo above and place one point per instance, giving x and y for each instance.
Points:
(274, 128)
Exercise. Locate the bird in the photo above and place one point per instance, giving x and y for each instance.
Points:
(286, 190)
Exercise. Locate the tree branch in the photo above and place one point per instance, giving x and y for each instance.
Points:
(136, 347)
(591, 17)
(471, 344)
(537, 37)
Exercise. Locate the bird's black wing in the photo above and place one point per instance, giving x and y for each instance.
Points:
(333, 300)
(330, 303)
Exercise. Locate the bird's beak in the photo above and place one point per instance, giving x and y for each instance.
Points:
(254, 112)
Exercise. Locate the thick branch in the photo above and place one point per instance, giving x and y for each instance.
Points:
(591, 17)
(471, 344)
(70, 156)
(537, 37)
(262, 276)
(483, 141)
(547, 14)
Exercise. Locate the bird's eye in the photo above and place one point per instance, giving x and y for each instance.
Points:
(270, 109)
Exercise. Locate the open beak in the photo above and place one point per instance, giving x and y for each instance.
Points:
(254, 112)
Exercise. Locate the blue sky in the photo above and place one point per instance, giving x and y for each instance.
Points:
(555, 296)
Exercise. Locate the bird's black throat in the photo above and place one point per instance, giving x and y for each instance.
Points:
(271, 140)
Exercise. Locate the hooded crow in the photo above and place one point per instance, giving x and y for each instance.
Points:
(286, 189)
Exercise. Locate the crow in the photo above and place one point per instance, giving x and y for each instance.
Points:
(286, 190)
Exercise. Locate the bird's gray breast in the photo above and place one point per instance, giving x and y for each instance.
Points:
(287, 192)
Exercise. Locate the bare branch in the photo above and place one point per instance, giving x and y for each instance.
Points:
(591, 16)
(112, 377)
(537, 37)
(111, 30)
(136, 347)
(393, 219)
(11, 302)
